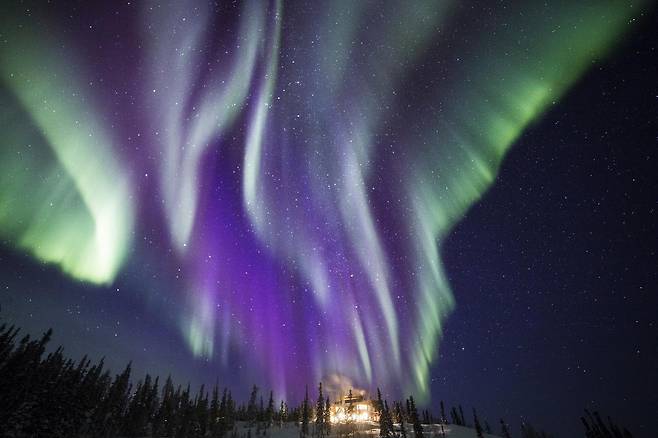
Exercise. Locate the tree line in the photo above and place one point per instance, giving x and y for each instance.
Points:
(49, 395)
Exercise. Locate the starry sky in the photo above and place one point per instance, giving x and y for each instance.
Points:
(455, 200)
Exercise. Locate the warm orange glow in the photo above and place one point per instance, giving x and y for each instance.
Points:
(363, 411)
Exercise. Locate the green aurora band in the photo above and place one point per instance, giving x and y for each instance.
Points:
(497, 97)
(64, 196)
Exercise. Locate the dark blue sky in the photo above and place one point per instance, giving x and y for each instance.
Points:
(555, 271)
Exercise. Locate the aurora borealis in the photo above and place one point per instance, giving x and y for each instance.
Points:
(275, 180)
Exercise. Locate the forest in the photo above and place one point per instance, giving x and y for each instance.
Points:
(49, 395)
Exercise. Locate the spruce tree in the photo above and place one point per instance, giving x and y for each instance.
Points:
(400, 414)
(305, 414)
(269, 412)
(595, 427)
(184, 415)
(109, 417)
(384, 431)
(504, 430)
(319, 413)
(327, 417)
(390, 430)
(164, 417)
(403, 429)
(283, 413)
(132, 423)
(252, 409)
(261, 410)
(478, 427)
(213, 415)
(201, 411)
(455, 416)
(216, 401)
(379, 405)
(231, 414)
(413, 413)
(349, 412)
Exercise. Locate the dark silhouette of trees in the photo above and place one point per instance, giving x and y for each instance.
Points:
(504, 429)
(269, 412)
(252, 409)
(528, 431)
(413, 418)
(55, 396)
(283, 413)
(385, 418)
(400, 418)
(45, 395)
(305, 415)
(319, 414)
(595, 427)
(478, 427)
(327, 417)
(457, 416)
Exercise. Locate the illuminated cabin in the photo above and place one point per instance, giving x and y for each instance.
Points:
(363, 410)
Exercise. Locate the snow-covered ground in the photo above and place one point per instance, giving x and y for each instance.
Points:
(364, 430)
(451, 430)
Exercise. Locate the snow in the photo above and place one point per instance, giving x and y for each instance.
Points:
(364, 430)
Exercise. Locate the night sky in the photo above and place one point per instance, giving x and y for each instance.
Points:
(456, 199)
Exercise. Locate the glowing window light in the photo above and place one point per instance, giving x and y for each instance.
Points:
(363, 412)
